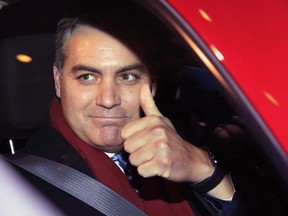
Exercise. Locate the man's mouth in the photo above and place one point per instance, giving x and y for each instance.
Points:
(110, 120)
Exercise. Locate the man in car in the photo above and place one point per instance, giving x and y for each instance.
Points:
(105, 84)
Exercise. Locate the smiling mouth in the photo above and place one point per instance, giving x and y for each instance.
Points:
(110, 120)
(109, 117)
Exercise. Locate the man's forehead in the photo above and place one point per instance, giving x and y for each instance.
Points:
(101, 36)
(101, 40)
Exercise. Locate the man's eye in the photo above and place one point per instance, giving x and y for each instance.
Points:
(128, 77)
(86, 77)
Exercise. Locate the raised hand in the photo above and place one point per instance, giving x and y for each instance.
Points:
(157, 150)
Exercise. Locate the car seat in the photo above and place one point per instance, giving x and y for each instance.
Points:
(26, 88)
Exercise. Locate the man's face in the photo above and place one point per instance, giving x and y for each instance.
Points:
(99, 87)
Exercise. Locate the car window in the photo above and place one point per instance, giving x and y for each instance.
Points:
(191, 94)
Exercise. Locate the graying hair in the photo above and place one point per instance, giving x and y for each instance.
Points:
(131, 31)
(65, 29)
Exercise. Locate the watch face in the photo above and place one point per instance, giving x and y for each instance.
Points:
(213, 159)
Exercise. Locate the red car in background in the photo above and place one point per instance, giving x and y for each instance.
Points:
(232, 70)
(244, 46)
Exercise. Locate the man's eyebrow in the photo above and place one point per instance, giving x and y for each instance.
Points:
(81, 67)
(136, 66)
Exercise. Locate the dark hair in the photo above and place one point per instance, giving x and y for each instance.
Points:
(129, 28)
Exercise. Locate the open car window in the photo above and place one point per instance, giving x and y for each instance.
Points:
(198, 94)
(201, 108)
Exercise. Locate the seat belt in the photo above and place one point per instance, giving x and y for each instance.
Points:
(77, 184)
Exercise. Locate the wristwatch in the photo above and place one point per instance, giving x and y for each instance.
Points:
(212, 181)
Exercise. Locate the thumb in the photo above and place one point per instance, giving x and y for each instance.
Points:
(147, 102)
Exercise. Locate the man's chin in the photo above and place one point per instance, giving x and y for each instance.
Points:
(110, 148)
(109, 142)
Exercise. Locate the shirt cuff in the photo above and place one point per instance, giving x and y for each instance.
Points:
(223, 207)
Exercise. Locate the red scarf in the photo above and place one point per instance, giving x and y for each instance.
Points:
(161, 197)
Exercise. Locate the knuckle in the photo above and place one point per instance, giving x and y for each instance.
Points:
(159, 131)
(166, 174)
(153, 119)
(161, 146)
(165, 162)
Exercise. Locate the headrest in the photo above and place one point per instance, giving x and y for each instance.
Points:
(26, 89)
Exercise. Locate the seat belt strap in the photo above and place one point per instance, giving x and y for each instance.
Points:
(79, 185)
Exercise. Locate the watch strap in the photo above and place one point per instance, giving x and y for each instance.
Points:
(212, 181)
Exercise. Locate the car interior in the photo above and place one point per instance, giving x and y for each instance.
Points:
(187, 93)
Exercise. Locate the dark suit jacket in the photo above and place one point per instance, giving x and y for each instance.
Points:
(48, 143)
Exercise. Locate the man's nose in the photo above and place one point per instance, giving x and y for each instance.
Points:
(108, 96)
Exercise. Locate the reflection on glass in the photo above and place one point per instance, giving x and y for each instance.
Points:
(23, 58)
(11, 146)
(217, 53)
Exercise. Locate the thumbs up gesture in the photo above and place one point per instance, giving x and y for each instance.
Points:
(157, 150)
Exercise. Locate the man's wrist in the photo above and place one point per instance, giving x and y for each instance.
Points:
(212, 181)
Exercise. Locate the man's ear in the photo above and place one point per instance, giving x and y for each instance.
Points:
(57, 81)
